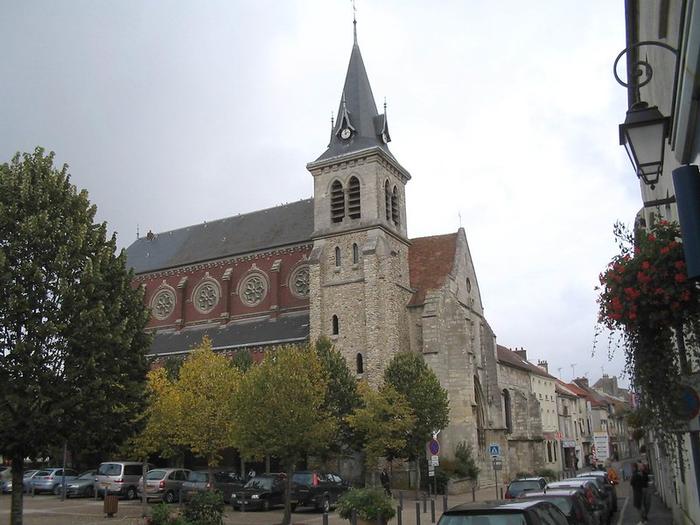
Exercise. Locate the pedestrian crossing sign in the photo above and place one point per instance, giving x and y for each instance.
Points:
(495, 450)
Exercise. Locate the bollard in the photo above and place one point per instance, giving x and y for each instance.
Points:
(444, 503)
(432, 511)
(417, 512)
(399, 515)
(325, 518)
(33, 490)
(425, 504)
(473, 493)
(353, 517)
(501, 493)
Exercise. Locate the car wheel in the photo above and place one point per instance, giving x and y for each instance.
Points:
(90, 492)
(57, 490)
(169, 497)
(131, 493)
(326, 505)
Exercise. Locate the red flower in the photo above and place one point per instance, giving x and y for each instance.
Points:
(665, 250)
(685, 295)
(679, 277)
(679, 265)
(645, 265)
(651, 237)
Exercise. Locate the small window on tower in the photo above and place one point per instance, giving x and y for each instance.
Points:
(336, 325)
(354, 198)
(360, 364)
(387, 200)
(355, 254)
(337, 202)
(337, 257)
(395, 218)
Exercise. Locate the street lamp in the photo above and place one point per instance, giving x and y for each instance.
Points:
(643, 135)
(644, 132)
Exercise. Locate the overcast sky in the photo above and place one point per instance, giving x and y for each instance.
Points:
(172, 113)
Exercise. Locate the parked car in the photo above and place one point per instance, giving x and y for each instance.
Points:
(594, 495)
(572, 503)
(49, 479)
(520, 485)
(264, 491)
(82, 486)
(164, 484)
(27, 478)
(225, 481)
(522, 512)
(6, 486)
(609, 485)
(119, 477)
(320, 490)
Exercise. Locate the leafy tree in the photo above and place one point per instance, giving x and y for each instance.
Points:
(280, 410)
(205, 392)
(342, 396)
(383, 422)
(72, 341)
(409, 374)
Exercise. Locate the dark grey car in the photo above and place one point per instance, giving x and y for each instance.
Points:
(82, 486)
(522, 512)
(226, 481)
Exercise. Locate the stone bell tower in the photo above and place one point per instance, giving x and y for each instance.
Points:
(359, 276)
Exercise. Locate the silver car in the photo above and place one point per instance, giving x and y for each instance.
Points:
(119, 477)
(49, 479)
(164, 484)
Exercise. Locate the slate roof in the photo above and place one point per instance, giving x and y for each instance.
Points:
(358, 109)
(430, 261)
(288, 224)
(260, 332)
(510, 358)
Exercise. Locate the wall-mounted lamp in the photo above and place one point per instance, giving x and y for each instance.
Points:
(645, 130)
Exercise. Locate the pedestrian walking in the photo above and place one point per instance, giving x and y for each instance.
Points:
(638, 484)
(385, 481)
(646, 492)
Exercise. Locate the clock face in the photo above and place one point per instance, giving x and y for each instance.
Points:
(345, 134)
(385, 138)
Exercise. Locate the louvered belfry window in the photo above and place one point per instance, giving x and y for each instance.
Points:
(387, 200)
(337, 202)
(354, 198)
(395, 218)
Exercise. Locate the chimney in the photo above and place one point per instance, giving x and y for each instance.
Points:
(150, 235)
(521, 353)
(543, 365)
(581, 381)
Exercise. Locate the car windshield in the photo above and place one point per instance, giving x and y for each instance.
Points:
(484, 519)
(519, 486)
(87, 475)
(564, 503)
(30, 473)
(156, 474)
(304, 478)
(197, 476)
(110, 469)
(259, 483)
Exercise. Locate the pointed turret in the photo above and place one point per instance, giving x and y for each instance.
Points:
(359, 126)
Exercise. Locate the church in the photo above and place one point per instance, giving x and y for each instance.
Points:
(339, 265)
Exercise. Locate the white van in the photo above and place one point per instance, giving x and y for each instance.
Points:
(119, 477)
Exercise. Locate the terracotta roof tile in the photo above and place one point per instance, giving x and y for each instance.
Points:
(430, 261)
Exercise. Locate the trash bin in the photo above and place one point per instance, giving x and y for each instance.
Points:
(111, 504)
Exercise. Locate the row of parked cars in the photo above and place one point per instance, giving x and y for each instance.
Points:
(588, 499)
(125, 479)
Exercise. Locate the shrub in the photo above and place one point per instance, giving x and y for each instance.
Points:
(369, 504)
(205, 508)
(160, 515)
(465, 466)
(546, 473)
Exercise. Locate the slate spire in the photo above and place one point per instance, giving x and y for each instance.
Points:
(359, 125)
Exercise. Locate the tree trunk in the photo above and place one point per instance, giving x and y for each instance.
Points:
(144, 498)
(287, 519)
(418, 469)
(17, 489)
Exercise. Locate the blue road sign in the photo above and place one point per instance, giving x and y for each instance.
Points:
(495, 449)
(434, 447)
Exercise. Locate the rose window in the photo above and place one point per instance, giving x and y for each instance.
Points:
(206, 296)
(254, 290)
(163, 304)
(300, 282)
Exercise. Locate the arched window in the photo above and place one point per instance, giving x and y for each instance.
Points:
(480, 415)
(360, 364)
(354, 198)
(387, 200)
(337, 202)
(395, 218)
(355, 254)
(336, 327)
(549, 451)
(337, 256)
(508, 415)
